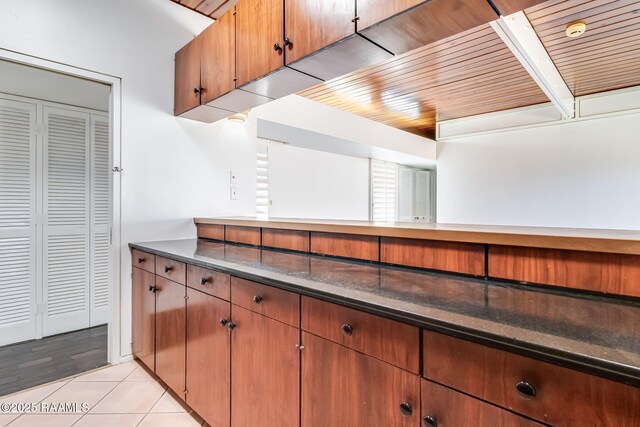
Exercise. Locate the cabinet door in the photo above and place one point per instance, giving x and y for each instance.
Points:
(208, 358)
(444, 407)
(311, 25)
(170, 333)
(265, 371)
(343, 387)
(218, 60)
(259, 26)
(371, 12)
(187, 77)
(143, 313)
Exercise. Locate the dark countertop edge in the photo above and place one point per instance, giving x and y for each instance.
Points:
(593, 240)
(609, 370)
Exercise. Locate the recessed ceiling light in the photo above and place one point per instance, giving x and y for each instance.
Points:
(576, 29)
(239, 117)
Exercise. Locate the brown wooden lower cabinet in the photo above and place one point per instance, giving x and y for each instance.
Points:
(549, 393)
(341, 387)
(265, 371)
(208, 357)
(170, 333)
(143, 316)
(443, 407)
(251, 369)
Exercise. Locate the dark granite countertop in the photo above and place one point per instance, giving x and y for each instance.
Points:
(590, 333)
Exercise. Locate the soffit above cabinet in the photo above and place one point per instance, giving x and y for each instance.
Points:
(606, 56)
(467, 74)
(211, 8)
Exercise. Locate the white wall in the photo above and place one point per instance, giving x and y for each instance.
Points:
(582, 173)
(306, 183)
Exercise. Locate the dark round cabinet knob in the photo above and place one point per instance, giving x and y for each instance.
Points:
(276, 47)
(204, 281)
(430, 421)
(150, 288)
(287, 42)
(167, 268)
(196, 90)
(347, 329)
(223, 322)
(153, 289)
(406, 409)
(231, 326)
(140, 260)
(257, 299)
(525, 390)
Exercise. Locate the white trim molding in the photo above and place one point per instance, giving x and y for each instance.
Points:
(589, 107)
(517, 33)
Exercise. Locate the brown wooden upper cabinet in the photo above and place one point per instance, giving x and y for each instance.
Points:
(217, 58)
(311, 25)
(403, 25)
(322, 41)
(259, 38)
(187, 77)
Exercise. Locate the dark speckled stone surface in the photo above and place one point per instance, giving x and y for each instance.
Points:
(589, 333)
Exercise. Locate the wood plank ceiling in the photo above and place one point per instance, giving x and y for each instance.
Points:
(474, 72)
(470, 73)
(606, 56)
(211, 8)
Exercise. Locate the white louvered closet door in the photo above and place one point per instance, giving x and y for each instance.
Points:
(66, 229)
(100, 220)
(17, 221)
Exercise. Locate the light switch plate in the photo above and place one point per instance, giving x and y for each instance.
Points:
(233, 178)
(234, 193)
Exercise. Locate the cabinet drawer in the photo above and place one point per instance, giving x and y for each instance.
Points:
(209, 281)
(393, 342)
(143, 260)
(266, 300)
(445, 407)
(171, 269)
(547, 392)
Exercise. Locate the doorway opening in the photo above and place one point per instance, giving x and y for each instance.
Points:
(56, 224)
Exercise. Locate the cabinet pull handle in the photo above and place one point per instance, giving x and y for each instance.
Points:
(430, 421)
(287, 42)
(153, 289)
(196, 90)
(526, 390)
(204, 281)
(257, 299)
(231, 326)
(276, 47)
(223, 322)
(347, 329)
(406, 409)
(167, 268)
(140, 260)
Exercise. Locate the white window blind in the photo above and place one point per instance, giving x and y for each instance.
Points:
(262, 184)
(384, 177)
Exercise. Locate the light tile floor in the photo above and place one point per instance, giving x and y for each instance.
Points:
(125, 395)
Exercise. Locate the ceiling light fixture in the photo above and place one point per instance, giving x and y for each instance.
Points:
(239, 117)
(576, 29)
